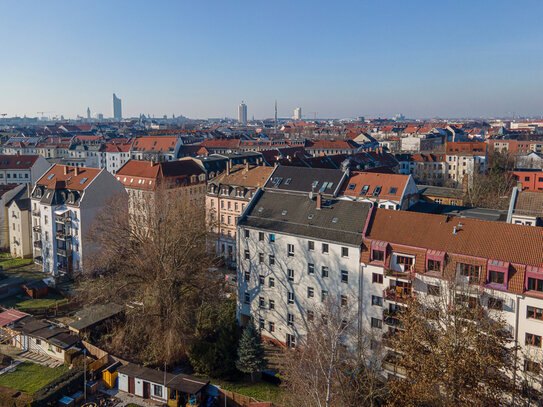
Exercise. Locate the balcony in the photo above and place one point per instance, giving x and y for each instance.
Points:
(37, 244)
(61, 252)
(36, 229)
(397, 294)
(61, 235)
(62, 219)
(391, 318)
(36, 213)
(63, 268)
(38, 260)
(404, 275)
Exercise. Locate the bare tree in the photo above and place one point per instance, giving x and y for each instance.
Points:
(153, 259)
(450, 350)
(329, 366)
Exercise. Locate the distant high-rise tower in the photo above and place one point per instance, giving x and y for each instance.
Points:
(298, 113)
(275, 123)
(242, 113)
(117, 109)
(88, 113)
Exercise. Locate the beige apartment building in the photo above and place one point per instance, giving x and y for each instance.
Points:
(226, 198)
(20, 236)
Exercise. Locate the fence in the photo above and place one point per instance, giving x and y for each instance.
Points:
(234, 399)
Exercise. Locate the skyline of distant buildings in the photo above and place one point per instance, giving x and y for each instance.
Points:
(117, 108)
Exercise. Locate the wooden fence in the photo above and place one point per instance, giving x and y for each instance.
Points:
(234, 399)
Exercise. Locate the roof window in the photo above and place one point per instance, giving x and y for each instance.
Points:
(364, 190)
(393, 191)
(287, 181)
(314, 184)
(377, 191)
(334, 220)
(260, 209)
(83, 180)
(310, 216)
(351, 187)
(50, 176)
(284, 212)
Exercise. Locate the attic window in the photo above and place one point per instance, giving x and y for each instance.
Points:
(334, 220)
(393, 191)
(377, 191)
(364, 190)
(310, 216)
(50, 176)
(351, 187)
(284, 212)
(314, 184)
(83, 180)
(287, 181)
(18, 162)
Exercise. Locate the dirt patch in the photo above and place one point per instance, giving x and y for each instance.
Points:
(10, 397)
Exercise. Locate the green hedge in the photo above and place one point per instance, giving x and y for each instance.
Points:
(65, 385)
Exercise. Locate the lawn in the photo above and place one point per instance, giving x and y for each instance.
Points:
(30, 377)
(261, 390)
(8, 262)
(41, 303)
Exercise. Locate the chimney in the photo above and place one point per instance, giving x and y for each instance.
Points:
(246, 165)
(228, 167)
(152, 163)
(319, 201)
(76, 171)
(65, 170)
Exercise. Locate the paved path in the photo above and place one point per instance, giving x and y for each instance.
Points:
(127, 399)
(27, 356)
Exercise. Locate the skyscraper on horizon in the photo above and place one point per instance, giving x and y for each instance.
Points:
(117, 108)
(88, 113)
(298, 113)
(242, 113)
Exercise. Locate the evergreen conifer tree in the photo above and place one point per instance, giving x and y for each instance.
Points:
(250, 352)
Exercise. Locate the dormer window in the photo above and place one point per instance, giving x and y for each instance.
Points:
(497, 274)
(534, 279)
(434, 261)
(378, 252)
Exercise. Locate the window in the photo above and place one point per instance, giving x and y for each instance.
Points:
(271, 282)
(324, 271)
(157, 390)
(378, 255)
(495, 303)
(38, 341)
(471, 271)
(246, 234)
(535, 284)
(272, 259)
(261, 280)
(533, 340)
(345, 276)
(344, 252)
(261, 323)
(290, 319)
(310, 268)
(261, 302)
(271, 304)
(271, 326)
(434, 290)
(496, 277)
(290, 250)
(310, 245)
(343, 301)
(434, 265)
(247, 256)
(310, 315)
(325, 248)
(272, 238)
(261, 257)
(377, 278)
(247, 275)
(376, 323)
(290, 274)
(404, 260)
(324, 295)
(46, 219)
(310, 292)
(376, 300)
(531, 366)
(290, 298)
(535, 313)
(260, 236)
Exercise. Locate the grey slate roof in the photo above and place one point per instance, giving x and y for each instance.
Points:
(94, 314)
(495, 215)
(297, 215)
(444, 192)
(301, 179)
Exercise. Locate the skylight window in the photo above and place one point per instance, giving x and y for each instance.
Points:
(287, 181)
(351, 187)
(334, 220)
(83, 180)
(314, 184)
(364, 190)
(50, 176)
(310, 216)
(393, 191)
(260, 209)
(377, 191)
(284, 212)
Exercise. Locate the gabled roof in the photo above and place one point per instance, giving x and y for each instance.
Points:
(17, 162)
(304, 180)
(10, 316)
(378, 185)
(63, 176)
(146, 174)
(331, 144)
(529, 203)
(155, 143)
(255, 177)
(490, 240)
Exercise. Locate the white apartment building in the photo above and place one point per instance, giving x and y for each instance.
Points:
(295, 253)
(116, 156)
(19, 227)
(156, 148)
(22, 169)
(65, 203)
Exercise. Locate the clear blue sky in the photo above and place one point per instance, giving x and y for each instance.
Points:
(339, 58)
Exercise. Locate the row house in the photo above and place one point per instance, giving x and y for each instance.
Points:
(142, 179)
(22, 169)
(65, 204)
(226, 198)
(392, 191)
(156, 148)
(496, 266)
(295, 253)
(515, 147)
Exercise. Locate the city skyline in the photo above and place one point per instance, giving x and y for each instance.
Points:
(447, 60)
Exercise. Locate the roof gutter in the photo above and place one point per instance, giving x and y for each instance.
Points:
(512, 204)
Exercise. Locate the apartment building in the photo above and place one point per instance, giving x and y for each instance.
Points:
(19, 226)
(526, 208)
(65, 204)
(22, 169)
(465, 159)
(530, 180)
(116, 156)
(425, 168)
(226, 198)
(156, 148)
(8, 193)
(497, 265)
(294, 253)
(392, 191)
(141, 180)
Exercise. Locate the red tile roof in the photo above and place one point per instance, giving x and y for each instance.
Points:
(220, 143)
(155, 143)
(146, 174)
(354, 184)
(63, 176)
(17, 162)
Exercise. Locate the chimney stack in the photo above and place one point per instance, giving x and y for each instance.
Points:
(65, 170)
(246, 165)
(152, 163)
(76, 171)
(319, 201)
(228, 167)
